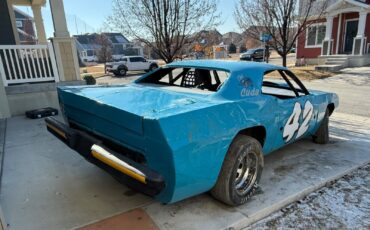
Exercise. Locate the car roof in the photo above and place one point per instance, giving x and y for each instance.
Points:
(226, 65)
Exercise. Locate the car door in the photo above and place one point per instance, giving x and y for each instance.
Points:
(297, 115)
(134, 63)
(294, 106)
(258, 54)
(143, 63)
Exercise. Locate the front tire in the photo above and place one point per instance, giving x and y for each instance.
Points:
(322, 134)
(240, 172)
(120, 72)
(152, 67)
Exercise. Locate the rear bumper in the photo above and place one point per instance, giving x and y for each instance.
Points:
(135, 175)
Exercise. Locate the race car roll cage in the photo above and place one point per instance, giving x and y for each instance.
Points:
(291, 87)
(201, 78)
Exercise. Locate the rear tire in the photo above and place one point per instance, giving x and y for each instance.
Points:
(240, 172)
(322, 134)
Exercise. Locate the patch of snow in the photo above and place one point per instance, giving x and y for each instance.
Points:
(343, 204)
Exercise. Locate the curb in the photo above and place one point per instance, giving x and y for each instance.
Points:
(298, 196)
(2, 145)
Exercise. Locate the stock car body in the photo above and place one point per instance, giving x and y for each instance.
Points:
(183, 129)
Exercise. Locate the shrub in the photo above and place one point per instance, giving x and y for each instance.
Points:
(84, 71)
(90, 80)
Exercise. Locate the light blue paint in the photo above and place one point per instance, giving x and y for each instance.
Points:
(185, 136)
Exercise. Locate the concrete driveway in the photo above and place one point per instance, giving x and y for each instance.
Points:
(47, 186)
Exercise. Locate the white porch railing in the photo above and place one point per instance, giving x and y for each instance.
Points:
(27, 64)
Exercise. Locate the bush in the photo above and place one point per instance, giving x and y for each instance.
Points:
(90, 80)
(84, 71)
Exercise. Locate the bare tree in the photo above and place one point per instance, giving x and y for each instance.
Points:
(163, 25)
(284, 20)
(105, 51)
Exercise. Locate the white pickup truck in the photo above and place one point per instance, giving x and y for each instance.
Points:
(130, 63)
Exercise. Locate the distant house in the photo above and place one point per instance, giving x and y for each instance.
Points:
(233, 38)
(88, 47)
(340, 38)
(25, 27)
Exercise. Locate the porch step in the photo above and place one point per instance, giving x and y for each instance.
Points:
(337, 59)
(331, 68)
(335, 56)
(330, 62)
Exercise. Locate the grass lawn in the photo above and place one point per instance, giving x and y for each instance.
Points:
(309, 73)
(95, 71)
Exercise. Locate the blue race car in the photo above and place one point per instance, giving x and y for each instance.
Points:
(192, 126)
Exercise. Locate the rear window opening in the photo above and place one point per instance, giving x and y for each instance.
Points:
(195, 80)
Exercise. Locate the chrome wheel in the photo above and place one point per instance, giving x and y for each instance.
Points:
(246, 172)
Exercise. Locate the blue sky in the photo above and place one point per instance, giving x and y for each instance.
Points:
(89, 15)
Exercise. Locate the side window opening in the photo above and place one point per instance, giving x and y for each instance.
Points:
(136, 59)
(282, 84)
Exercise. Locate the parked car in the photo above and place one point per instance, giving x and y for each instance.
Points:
(130, 63)
(292, 50)
(192, 126)
(254, 54)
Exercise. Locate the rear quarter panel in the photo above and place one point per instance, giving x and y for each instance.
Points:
(199, 140)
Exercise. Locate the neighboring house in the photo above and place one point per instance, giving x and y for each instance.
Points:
(25, 27)
(88, 47)
(344, 29)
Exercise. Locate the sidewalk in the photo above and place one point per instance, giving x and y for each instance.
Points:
(47, 186)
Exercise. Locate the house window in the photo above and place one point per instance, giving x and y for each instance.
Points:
(90, 53)
(315, 35)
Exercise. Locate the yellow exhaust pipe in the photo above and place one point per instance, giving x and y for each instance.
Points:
(111, 160)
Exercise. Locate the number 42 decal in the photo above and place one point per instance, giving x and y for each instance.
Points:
(292, 125)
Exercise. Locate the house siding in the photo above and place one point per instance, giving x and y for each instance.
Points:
(306, 52)
(367, 31)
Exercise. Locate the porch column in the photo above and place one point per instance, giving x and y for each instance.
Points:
(39, 22)
(359, 40)
(13, 22)
(327, 43)
(64, 45)
(59, 18)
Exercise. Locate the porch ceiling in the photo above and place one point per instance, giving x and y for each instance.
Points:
(27, 2)
(344, 6)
